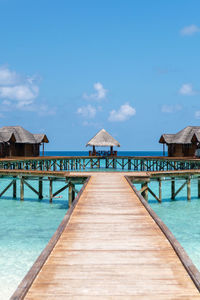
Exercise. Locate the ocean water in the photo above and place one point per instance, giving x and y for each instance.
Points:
(119, 153)
(25, 229)
(181, 216)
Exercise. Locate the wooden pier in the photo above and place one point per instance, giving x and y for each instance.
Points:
(111, 245)
(27, 177)
(144, 178)
(85, 163)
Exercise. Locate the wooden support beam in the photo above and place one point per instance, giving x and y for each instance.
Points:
(173, 188)
(31, 188)
(75, 190)
(145, 192)
(40, 188)
(189, 188)
(50, 190)
(21, 188)
(144, 187)
(153, 194)
(71, 194)
(60, 190)
(8, 186)
(129, 164)
(14, 188)
(178, 191)
(198, 187)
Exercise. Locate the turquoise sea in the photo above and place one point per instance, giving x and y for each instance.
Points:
(25, 229)
(26, 226)
(119, 153)
(181, 216)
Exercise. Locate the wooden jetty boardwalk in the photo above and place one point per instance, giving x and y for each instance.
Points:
(110, 248)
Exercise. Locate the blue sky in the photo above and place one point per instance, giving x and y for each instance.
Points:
(70, 68)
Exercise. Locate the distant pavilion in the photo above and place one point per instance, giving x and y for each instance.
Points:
(103, 139)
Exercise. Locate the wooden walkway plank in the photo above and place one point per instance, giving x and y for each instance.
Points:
(112, 249)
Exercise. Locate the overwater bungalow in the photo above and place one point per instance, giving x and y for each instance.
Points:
(17, 141)
(182, 143)
(103, 139)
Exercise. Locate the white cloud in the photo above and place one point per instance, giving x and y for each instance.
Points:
(100, 92)
(124, 113)
(190, 30)
(20, 92)
(186, 90)
(24, 94)
(171, 108)
(8, 77)
(87, 111)
(14, 87)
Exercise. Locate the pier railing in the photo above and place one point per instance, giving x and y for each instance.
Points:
(82, 163)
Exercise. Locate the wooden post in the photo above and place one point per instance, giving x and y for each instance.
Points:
(71, 194)
(189, 188)
(107, 163)
(145, 193)
(40, 188)
(173, 188)
(22, 189)
(199, 187)
(14, 188)
(160, 189)
(50, 190)
(129, 164)
(111, 150)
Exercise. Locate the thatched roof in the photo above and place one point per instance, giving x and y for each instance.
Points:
(103, 139)
(6, 137)
(182, 137)
(40, 138)
(21, 135)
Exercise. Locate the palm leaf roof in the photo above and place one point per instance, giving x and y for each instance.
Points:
(182, 137)
(103, 139)
(21, 135)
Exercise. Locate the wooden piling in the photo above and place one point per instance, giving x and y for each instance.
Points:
(40, 188)
(189, 188)
(71, 194)
(50, 190)
(14, 187)
(199, 187)
(129, 164)
(21, 188)
(173, 188)
(145, 192)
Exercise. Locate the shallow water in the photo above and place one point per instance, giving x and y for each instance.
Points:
(182, 217)
(25, 229)
(26, 226)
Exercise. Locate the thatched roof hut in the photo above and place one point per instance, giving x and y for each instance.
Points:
(182, 143)
(103, 139)
(17, 141)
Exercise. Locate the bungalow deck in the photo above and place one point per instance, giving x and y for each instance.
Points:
(111, 245)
